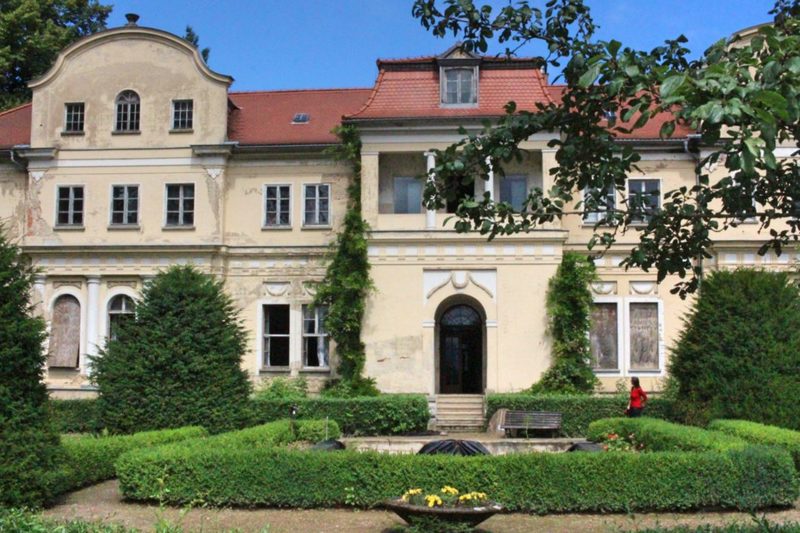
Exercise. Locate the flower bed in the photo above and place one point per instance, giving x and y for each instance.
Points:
(659, 435)
(229, 474)
(578, 411)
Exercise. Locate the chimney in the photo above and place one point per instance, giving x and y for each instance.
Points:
(132, 19)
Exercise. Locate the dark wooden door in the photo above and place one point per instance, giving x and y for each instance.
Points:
(461, 351)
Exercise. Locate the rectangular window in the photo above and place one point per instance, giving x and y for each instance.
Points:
(607, 202)
(604, 336)
(182, 114)
(277, 208)
(180, 204)
(643, 342)
(124, 204)
(644, 198)
(73, 117)
(459, 86)
(276, 335)
(407, 195)
(70, 206)
(317, 205)
(514, 190)
(315, 338)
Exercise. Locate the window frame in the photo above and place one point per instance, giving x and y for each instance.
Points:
(71, 211)
(66, 130)
(129, 119)
(443, 70)
(109, 311)
(323, 337)
(645, 217)
(317, 224)
(175, 128)
(111, 222)
(181, 225)
(624, 335)
(264, 224)
(265, 334)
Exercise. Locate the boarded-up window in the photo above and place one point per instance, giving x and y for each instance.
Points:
(65, 333)
(644, 335)
(603, 336)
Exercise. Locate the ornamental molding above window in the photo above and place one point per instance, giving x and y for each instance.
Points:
(643, 287)
(604, 287)
(460, 280)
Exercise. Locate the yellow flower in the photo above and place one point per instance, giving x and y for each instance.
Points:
(433, 500)
(409, 493)
(447, 489)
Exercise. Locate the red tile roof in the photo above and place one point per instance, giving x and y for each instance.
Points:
(414, 92)
(266, 117)
(15, 126)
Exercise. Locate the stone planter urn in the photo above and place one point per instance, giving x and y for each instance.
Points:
(468, 516)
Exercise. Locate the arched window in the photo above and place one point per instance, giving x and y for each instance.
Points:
(65, 333)
(460, 315)
(127, 111)
(121, 308)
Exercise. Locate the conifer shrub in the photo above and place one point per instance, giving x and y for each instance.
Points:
(178, 362)
(29, 446)
(569, 305)
(738, 354)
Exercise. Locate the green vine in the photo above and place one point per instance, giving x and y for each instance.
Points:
(569, 304)
(347, 283)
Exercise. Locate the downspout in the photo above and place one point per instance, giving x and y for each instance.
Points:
(691, 147)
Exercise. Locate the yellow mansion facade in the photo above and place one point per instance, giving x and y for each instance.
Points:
(133, 155)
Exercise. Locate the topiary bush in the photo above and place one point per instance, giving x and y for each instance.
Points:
(178, 362)
(29, 447)
(577, 410)
(660, 435)
(569, 306)
(739, 352)
(387, 414)
(75, 416)
(757, 433)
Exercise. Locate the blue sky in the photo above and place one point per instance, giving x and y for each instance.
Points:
(289, 44)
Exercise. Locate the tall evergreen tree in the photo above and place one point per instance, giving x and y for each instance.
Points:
(194, 39)
(33, 32)
(29, 447)
(178, 362)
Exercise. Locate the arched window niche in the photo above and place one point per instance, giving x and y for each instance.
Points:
(65, 333)
(121, 308)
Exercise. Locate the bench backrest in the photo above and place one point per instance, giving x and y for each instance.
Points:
(532, 419)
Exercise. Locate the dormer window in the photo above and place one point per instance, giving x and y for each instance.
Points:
(459, 86)
(300, 118)
(127, 103)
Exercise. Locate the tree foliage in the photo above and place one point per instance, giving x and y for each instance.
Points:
(33, 32)
(739, 353)
(346, 284)
(29, 447)
(178, 362)
(569, 305)
(742, 97)
(194, 39)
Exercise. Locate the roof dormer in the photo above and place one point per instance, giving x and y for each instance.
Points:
(458, 77)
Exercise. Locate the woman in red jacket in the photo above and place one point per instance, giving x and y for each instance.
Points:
(638, 399)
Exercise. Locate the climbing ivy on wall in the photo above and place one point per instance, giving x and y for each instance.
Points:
(569, 306)
(346, 284)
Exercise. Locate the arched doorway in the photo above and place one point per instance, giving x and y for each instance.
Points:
(461, 350)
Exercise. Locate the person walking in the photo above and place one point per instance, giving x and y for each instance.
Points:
(637, 401)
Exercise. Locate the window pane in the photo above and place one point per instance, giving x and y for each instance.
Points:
(276, 351)
(407, 195)
(514, 190)
(310, 350)
(117, 217)
(603, 336)
(277, 317)
(644, 336)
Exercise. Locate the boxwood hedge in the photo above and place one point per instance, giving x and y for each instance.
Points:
(660, 435)
(761, 434)
(75, 416)
(578, 410)
(537, 482)
(91, 459)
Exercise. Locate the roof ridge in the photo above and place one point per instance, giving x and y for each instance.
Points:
(342, 89)
(17, 108)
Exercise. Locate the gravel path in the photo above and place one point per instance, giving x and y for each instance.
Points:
(103, 503)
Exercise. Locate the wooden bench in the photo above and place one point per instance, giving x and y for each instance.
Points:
(515, 421)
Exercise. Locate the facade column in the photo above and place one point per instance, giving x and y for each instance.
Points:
(370, 180)
(489, 183)
(38, 293)
(430, 214)
(92, 319)
(548, 162)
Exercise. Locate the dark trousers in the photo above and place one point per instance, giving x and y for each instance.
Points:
(635, 412)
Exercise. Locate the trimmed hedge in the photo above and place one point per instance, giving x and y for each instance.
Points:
(387, 414)
(537, 482)
(660, 435)
(761, 434)
(91, 459)
(578, 410)
(75, 416)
